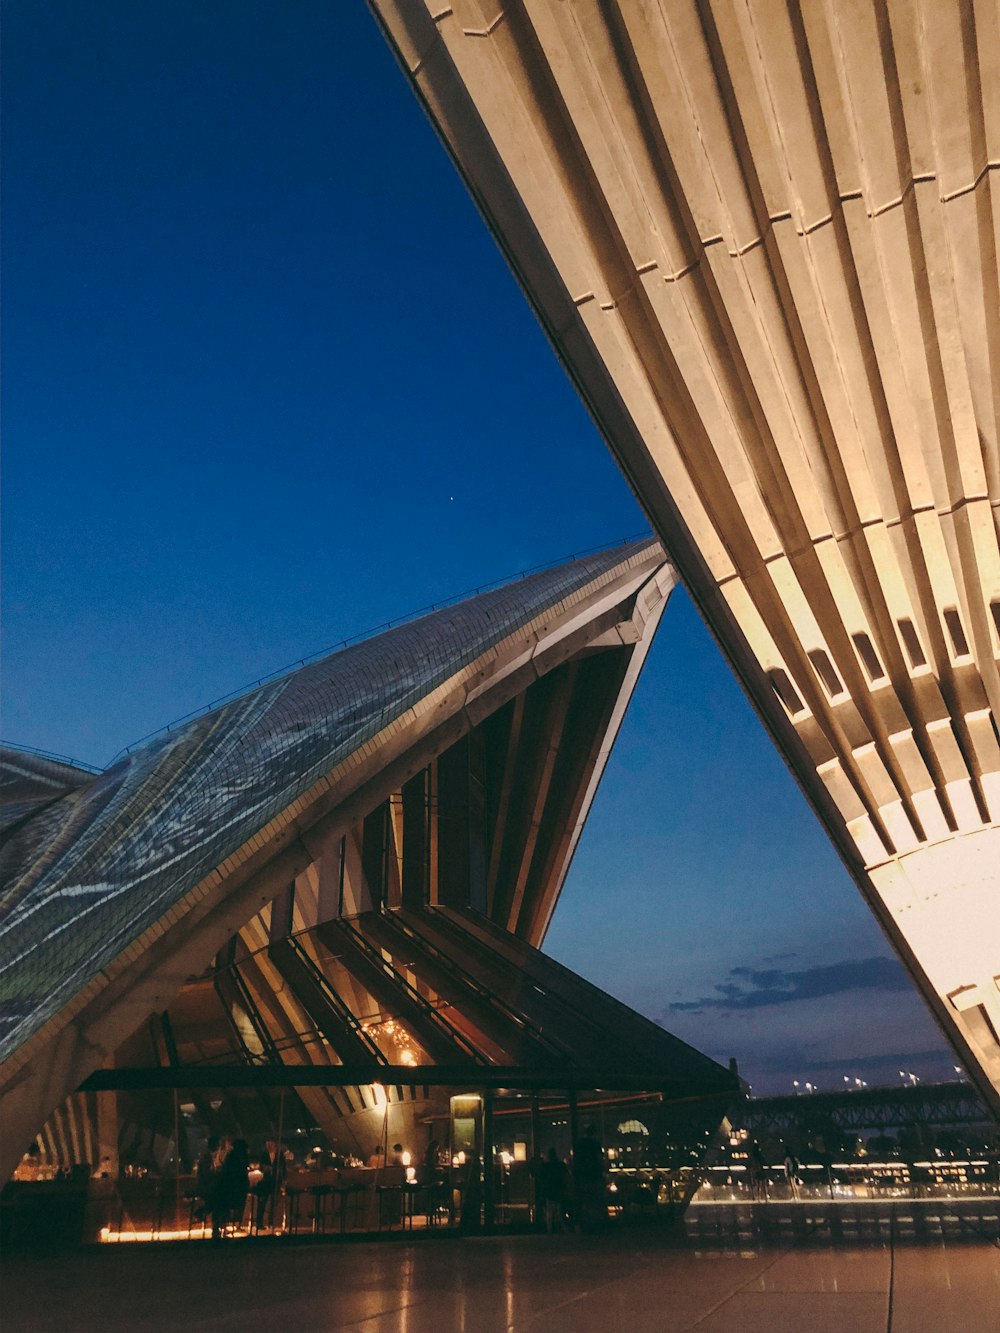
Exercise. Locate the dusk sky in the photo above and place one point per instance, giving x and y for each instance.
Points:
(257, 350)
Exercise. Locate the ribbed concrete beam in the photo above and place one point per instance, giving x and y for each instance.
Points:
(762, 238)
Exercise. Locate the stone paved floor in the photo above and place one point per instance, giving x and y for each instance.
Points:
(635, 1282)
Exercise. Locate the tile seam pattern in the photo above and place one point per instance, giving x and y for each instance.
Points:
(741, 1288)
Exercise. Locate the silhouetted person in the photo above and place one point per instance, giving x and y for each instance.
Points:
(792, 1173)
(434, 1178)
(552, 1181)
(755, 1170)
(270, 1185)
(472, 1193)
(588, 1180)
(233, 1183)
(206, 1176)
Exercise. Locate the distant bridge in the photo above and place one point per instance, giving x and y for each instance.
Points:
(930, 1105)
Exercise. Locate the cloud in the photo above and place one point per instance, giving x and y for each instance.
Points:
(753, 988)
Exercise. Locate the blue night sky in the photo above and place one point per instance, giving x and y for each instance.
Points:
(258, 368)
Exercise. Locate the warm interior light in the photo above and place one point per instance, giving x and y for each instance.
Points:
(124, 1237)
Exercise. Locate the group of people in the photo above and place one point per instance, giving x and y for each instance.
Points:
(225, 1176)
(224, 1179)
(579, 1195)
(756, 1176)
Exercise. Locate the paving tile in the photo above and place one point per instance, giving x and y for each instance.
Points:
(828, 1270)
(798, 1312)
(946, 1289)
(671, 1301)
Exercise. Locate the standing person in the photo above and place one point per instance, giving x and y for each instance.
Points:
(588, 1180)
(434, 1179)
(272, 1183)
(206, 1176)
(792, 1173)
(553, 1182)
(755, 1170)
(233, 1183)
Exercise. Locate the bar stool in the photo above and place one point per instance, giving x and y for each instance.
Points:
(389, 1186)
(342, 1193)
(192, 1198)
(321, 1197)
(293, 1198)
(411, 1190)
(437, 1202)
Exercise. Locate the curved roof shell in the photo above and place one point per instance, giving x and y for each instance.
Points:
(90, 862)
